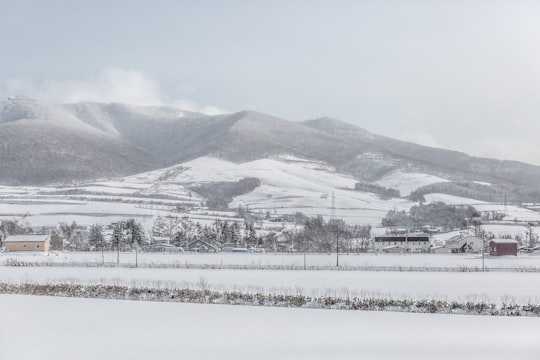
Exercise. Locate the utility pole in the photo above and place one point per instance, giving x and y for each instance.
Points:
(102, 256)
(337, 244)
(483, 249)
(120, 235)
(407, 241)
(333, 208)
(483, 253)
(217, 230)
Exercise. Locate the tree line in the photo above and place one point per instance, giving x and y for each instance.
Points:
(182, 231)
(315, 234)
(435, 214)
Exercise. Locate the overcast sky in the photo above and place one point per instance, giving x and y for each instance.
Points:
(463, 75)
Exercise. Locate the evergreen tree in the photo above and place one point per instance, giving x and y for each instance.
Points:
(251, 238)
(95, 236)
(135, 233)
(118, 237)
(235, 233)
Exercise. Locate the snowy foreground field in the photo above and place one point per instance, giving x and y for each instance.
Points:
(83, 329)
(218, 272)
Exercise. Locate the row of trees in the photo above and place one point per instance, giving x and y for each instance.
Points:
(381, 191)
(318, 235)
(470, 190)
(435, 214)
(182, 231)
(14, 227)
(127, 235)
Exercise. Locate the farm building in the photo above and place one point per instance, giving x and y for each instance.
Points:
(28, 242)
(465, 244)
(228, 247)
(165, 248)
(161, 240)
(500, 247)
(395, 249)
(440, 250)
(202, 246)
(400, 243)
(163, 244)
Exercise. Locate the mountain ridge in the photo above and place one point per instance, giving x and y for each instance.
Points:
(120, 140)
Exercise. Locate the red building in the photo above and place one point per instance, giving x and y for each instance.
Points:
(500, 247)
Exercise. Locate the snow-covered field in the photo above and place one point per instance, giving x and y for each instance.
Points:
(61, 328)
(217, 271)
(454, 261)
(407, 182)
(496, 288)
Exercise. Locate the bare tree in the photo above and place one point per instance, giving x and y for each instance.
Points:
(166, 225)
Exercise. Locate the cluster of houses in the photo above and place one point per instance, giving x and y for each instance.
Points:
(163, 244)
(380, 244)
(463, 243)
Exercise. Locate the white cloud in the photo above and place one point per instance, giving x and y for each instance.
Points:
(420, 138)
(504, 148)
(112, 85)
(189, 105)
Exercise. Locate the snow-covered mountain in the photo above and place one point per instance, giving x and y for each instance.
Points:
(42, 143)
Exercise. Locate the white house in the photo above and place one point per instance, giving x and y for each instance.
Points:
(440, 250)
(465, 243)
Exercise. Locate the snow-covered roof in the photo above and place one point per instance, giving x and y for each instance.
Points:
(503, 241)
(163, 246)
(27, 238)
(460, 238)
(204, 244)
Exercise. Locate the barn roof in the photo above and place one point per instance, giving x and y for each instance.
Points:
(503, 241)
(27, 238)
(203, 243)
(401, 238)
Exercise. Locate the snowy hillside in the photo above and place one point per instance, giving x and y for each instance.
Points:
(407, 182)
(288, 185)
